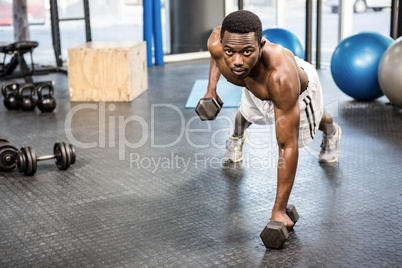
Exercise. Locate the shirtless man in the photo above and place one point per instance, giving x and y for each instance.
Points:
(278, 88)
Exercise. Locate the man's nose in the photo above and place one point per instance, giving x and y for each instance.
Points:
(238, 60)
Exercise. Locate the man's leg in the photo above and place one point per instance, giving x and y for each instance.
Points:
(241, 124)
(234, 145)
(327, 124)
(331, 135)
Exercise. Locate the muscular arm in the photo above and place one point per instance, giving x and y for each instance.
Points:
(214, 72)
(285, 94)
(214, 75)
(287, 132)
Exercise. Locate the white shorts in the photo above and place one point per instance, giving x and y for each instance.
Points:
(311, 105)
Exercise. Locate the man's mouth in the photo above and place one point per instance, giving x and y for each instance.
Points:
(238, 72)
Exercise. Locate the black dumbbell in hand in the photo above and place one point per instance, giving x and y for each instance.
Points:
(63, 155)
(10, 92)
(275, 232)
(209, 108)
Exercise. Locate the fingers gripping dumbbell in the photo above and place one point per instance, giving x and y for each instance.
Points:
(275, 233)
(63, 155)
(209, 108)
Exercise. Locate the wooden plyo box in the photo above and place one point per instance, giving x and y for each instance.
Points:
(107, 71)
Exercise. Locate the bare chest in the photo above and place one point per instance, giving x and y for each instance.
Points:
(259, 89)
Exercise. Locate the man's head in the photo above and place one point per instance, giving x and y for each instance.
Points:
(242, 22)
(241, 38)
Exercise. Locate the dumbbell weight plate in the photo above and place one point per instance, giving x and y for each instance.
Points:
(3, 140)
(7, 156)
(68, 154)
(26, 163)
(30, 161)
(61, 159)
(207, 109)
(20, 162)
(72, 153)
(34, 162)
(292, 213)
(275, 233)
(219, 100)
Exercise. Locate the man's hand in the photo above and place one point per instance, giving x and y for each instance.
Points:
(211, 94)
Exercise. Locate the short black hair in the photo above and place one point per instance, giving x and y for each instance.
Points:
(242, 21)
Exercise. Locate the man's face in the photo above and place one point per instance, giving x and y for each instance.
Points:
(241, 53)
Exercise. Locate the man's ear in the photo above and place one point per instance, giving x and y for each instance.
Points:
(262, 43)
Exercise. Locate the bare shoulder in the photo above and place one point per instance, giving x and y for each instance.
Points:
(283, 78)
(278, 56)
(214, 43)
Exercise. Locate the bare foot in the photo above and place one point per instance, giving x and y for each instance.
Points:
(281, 216)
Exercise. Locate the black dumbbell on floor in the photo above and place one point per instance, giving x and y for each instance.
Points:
(7, 155)
(275, 233)
(209, 108)
(63, 155)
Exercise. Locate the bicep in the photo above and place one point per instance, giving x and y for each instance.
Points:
(287, 110)
(287, 125)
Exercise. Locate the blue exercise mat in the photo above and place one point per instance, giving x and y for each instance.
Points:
(229, 93)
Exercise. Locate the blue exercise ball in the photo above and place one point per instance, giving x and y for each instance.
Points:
(286, 39)
(354, 65)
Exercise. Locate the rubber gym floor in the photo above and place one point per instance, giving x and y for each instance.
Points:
(149, 187)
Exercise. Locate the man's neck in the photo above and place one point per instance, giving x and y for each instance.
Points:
(257, 69)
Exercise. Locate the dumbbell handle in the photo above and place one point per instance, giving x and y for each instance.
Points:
(57, 156)
(46, 157)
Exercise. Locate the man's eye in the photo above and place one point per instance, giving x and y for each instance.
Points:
(229, 52)
(247, 52)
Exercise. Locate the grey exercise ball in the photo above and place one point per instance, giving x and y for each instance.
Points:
(390, 72)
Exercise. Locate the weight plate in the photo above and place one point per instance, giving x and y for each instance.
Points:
(61, 158)
(27, 167)
(7, 156)
(2, 140)
(72, 155)
(20, 161)
(29, 161)
(8, 145)
(68, 154)
(34, 162)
